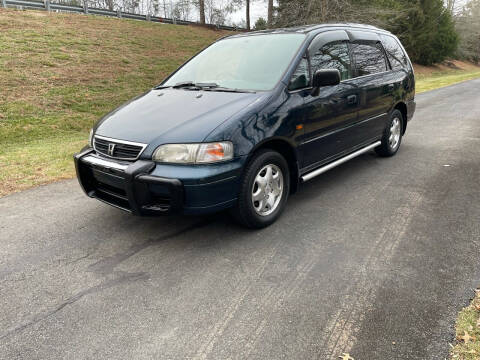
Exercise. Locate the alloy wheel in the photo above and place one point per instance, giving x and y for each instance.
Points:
(395, 133)
(267, 189)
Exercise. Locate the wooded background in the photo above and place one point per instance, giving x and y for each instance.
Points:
(430, 30)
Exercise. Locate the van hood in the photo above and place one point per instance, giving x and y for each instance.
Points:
(173, 115)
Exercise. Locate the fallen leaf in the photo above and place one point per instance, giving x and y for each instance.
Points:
(465, 337)
(346, 356)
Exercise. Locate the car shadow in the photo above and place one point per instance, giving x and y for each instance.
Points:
(216, 232)
(175, 225)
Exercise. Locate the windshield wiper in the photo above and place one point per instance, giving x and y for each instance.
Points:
(182, 84)
(158, 87)
(203, 86)
(226, 89)
(207, 85)
(198, 85)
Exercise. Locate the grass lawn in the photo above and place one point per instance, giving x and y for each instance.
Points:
(59, 73)
(441, 78)
(468, 332)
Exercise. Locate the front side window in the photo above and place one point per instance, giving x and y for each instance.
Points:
(333, 56)
(254, 62)
(369, 59)
(395, 54)
(300, 78)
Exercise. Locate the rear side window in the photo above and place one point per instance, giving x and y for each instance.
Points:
(395, 54)
(369, 58)
(333, 56)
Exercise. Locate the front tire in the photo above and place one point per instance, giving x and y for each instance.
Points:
(392, 135)
(264, 190)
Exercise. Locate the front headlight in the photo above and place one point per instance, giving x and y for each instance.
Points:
(194, 153)
(90, 138)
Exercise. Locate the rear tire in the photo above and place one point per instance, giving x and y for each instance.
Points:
(392, 135)
(264, 190)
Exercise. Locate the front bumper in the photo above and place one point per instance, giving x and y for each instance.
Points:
(147, 188)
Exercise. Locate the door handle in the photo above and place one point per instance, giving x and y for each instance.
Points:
(352, 99)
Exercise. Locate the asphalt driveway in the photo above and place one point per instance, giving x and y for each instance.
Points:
(374, 258)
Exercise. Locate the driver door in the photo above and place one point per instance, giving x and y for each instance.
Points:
(334, 110)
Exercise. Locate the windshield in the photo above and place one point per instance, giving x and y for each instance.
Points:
(246, 62)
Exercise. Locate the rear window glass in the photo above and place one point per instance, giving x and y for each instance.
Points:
(369, 59)
(395, 54)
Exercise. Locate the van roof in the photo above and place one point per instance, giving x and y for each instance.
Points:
(304, 29)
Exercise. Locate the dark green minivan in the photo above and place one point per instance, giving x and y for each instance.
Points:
(243, 123)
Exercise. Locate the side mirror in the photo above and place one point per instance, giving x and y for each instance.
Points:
(324, 77)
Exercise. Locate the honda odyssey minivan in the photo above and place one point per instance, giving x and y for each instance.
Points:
(244, 122)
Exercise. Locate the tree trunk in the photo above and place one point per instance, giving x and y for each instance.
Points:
(270, 14)
(109, 4)
(202, 11)
(451, 5)
(248, 15)
(307, 15)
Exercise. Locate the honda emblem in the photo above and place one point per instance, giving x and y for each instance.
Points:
(111, 149)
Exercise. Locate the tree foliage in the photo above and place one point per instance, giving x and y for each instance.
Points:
(425, 27)
(427, 31)
(260, 24)
(467, 24)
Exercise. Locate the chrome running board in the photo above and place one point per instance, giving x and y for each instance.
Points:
(340, 161)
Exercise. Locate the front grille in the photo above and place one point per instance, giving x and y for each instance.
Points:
(117, 149)
(147, 195)
(112, 195)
